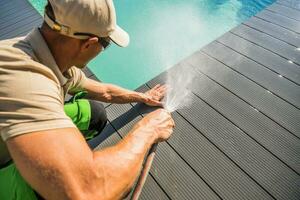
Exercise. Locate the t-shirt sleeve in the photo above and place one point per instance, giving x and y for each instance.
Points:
(78, 79)
(30, 101)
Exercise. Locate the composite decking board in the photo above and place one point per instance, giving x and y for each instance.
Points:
(12, 10)
(270, 135)
(15, 6)
(247, 153)
(87, 72)
(262, 56)
(177, 178)
(285, 11)
(268, 42)
(151, 188)
(25, 17)
(20, 26)
(5, 23)
(4, 2)
(201, 190)
(12, 7)
(9, 3)
(112, 137)
(279, 86)
(280, 20)
(21, 32)
(32, 20)
(274, 30)
(13, 18)
(94, 77)
(294, 4)
(285, 114)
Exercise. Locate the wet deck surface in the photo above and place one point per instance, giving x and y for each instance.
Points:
(240, 139)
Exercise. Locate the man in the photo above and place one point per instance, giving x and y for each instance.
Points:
(42, 152)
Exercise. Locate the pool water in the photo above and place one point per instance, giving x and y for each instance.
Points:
(163, 32)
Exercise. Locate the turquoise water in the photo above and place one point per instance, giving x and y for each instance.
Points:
(163, 32)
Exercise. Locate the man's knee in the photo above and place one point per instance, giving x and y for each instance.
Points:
(98, 116)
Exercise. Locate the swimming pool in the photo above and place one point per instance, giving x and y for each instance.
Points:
(163, 32)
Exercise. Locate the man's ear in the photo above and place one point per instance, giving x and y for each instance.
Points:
(89, 42)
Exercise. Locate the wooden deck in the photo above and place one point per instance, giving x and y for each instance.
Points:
(241, 137)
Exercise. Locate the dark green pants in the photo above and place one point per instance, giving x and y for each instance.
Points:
(89, 117)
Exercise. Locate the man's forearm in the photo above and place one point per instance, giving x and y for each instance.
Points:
(72, 171)
(122, 163)
(111, 93)
(116, 94)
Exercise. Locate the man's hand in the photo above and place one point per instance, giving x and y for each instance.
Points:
(158, 122)
(154, 96)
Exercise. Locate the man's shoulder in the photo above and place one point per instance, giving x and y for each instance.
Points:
(16, 48)
(17, 57)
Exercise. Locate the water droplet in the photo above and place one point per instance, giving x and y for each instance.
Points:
(291, 62)
(298, 49)
(280, 76)
(256, 110)
(269, 92)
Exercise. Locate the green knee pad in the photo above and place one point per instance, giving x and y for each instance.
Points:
(80, 113)
(79, 110)
(13, 186)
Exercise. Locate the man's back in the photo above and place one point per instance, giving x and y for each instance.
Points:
(31, 95)
(12, 51)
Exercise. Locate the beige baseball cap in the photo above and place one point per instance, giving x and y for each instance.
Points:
(82, 18)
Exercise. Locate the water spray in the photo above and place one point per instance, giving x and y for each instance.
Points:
(178, 96)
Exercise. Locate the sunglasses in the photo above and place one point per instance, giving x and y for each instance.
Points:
(104, 42)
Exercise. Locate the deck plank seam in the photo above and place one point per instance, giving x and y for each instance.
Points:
(12, 8)
(260, 64)
(185, 161)
(16, 12)
(296, 63)
(22, 15)
(32, 23)
(246, 102)
(240, 127)
(273, 93)
(216, 146)
(287, 6)
(282, 14)
(270, 34)
(13, 34)
(7, 2)
(245, 132)
(277, 24)
(159, 185)
(31, 20)
(236, 125)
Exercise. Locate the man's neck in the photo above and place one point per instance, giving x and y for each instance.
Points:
(54, 48)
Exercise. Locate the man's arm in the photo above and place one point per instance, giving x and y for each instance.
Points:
(59, 165)
(114, 94)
